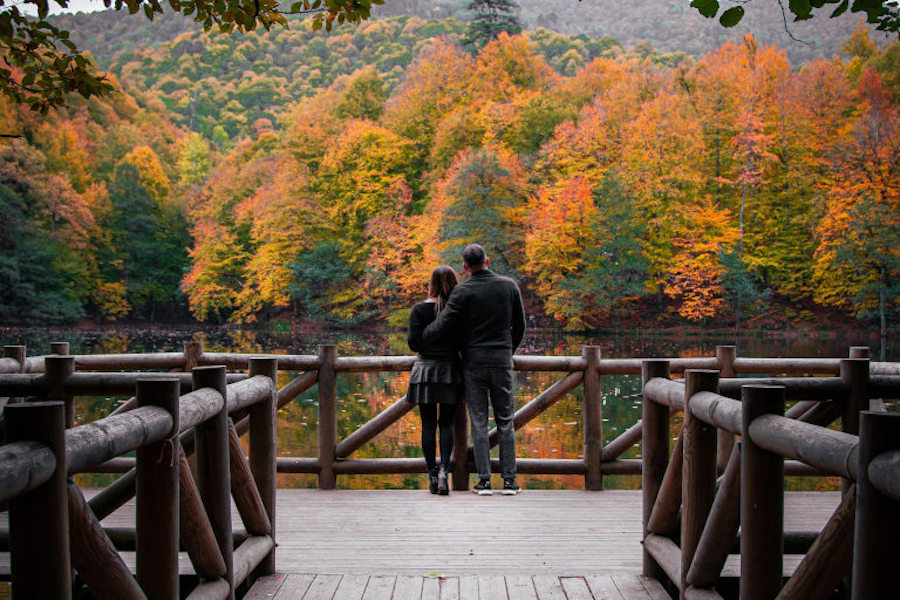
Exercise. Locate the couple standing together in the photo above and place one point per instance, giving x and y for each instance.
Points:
(466, 335)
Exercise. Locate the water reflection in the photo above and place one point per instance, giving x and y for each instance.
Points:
(557, 433)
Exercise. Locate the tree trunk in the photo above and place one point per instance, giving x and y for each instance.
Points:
(882, 292)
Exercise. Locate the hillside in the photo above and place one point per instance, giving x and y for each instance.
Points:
(224, 86)
(668, 25)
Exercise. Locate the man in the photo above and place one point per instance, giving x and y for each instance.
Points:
(488, 310)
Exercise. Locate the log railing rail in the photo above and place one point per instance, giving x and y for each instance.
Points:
(335, 457)
(841, 383)
(694, 509)
(53, 529)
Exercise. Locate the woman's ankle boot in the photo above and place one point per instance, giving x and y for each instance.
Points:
(442, 487)
(433, 480)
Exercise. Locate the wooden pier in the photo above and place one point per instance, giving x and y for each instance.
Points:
(712, 520)
(566, 543)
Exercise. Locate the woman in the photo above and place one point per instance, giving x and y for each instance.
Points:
(436, 378)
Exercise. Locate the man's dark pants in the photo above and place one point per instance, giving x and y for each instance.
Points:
(484, 384)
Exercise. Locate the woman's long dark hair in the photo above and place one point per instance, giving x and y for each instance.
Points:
(443, 280)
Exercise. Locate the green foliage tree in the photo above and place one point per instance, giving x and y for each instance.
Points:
(195, 160)
(742, 290)
(616, 268)
(146, 251)
(34, 289)
(482, 200)
(492, 17)
(321, 278)
(364, 97)
(875, 259)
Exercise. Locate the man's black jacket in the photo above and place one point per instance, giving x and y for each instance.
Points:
(487, 311)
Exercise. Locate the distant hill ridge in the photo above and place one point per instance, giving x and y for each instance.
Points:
(668, 25)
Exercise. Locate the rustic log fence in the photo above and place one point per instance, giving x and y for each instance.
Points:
(52, 528)
(710, 430)
(695, 510)
(335, 457)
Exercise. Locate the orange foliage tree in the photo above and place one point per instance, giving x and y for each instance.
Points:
(695, 276)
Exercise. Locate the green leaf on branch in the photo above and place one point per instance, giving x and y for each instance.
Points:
(801, 8)
(707, 8)
(841, 9)
(732, 16)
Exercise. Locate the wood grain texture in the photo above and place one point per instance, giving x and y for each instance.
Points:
(626, 586)
(576, 588)
(295, 586)
(473, 542)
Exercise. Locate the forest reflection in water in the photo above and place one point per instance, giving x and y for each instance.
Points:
(557, 433)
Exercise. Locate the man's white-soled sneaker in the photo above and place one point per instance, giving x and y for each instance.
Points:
(510, 487)
(483, 488)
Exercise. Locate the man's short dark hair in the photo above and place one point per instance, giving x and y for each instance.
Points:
(474, 255)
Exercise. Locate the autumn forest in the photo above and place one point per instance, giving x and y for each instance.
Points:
(298, 174)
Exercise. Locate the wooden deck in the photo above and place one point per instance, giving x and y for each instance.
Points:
(393, 544)
(556, 544)
(412, 533)
(463, 587)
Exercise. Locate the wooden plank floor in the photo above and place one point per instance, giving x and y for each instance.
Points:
(554, 538)
(539, 532)
(410, 532)
(306, 586)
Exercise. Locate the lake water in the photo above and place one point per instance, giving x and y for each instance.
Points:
(557, 433)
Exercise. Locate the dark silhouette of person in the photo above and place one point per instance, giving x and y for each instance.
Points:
(436, 378)
(486, 309)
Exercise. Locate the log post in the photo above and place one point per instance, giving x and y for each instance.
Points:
(593, 418)
(59, 348)
(157, 497)
(17, 353)
(762, 500)
(460, 457)
(327, 417)
(855, 372)
(263, 451)
(39, 519)
(698, 478)
(655, 454)
(725, 356)
(859, 352)
(213, 471)
(877, 551)
(192, 352)
(57, 369)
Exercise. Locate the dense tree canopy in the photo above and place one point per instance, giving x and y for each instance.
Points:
(610, 181)
(43, 65)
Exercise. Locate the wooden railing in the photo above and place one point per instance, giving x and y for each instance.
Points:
(42, 374)
(692, 517)
(52, 528)
(335, 457)
(62, 378)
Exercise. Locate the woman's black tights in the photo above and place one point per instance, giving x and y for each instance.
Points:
(430, 424)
